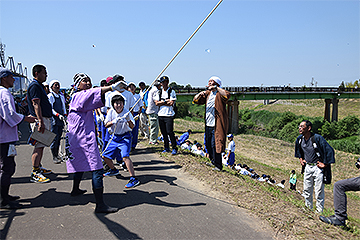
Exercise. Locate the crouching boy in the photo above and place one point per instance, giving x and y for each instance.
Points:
(121, 122)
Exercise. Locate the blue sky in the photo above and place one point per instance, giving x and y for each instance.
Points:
(251, 42)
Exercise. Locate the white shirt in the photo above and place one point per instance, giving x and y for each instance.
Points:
(128, 96)
(193, 148)
(120, 127)
(231, 146)
(166, 111)
(199, 152)
(185, 146)
(152, 108)
(210, 110)
(139, 104)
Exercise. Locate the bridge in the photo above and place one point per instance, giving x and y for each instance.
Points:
(331, 95)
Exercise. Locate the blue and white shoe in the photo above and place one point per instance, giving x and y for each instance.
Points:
(132, 183)
(174, 152)
(112, 172)
(166, 150)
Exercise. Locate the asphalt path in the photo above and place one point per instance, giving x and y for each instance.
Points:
(168, 204)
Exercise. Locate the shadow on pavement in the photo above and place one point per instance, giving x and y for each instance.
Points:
(10, 215)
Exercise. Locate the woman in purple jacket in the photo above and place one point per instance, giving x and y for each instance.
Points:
(84, 151)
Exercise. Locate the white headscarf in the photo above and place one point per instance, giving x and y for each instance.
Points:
(216, 79)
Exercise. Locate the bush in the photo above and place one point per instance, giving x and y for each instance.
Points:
(183, 109)
(350, 144)
(349, 126)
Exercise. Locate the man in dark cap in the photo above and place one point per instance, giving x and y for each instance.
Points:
(165, 100)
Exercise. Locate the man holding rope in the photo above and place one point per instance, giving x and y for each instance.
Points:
(216, 119)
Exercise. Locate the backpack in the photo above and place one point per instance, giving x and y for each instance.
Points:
(174, 106)
(327, 170)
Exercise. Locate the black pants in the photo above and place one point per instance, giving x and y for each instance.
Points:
(7, 169)
(215, 157)
(167, 129)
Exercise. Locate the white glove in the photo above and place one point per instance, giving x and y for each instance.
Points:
(101, 116)
(118, 119)
(119, 86)
(61, 117)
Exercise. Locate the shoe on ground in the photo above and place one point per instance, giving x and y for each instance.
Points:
(13, 198)
(210, 164)
(37, 177)
(112, 172)
(105, 209)
(174, 152)
(45, 171)
(77, 192)
(332, 220)
(166, 150)
(216, 169)
(132, 183)
(57, 160)
(11, 205)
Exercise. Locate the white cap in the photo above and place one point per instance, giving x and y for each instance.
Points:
(52, 82)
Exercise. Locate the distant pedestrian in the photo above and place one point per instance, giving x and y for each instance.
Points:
(293, 180)
(136, 109)
(231, 151)
(83, 147)
(9, 120)
(39, 107)
(46, 87)
(144, 127)
(166, 100)
(216, 119)
(152, 111)
(57, 102)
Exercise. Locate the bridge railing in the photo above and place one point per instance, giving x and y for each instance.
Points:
(271, 89)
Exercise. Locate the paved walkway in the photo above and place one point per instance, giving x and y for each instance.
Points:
(168, 204)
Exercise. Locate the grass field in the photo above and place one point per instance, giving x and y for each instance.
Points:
(282, 208)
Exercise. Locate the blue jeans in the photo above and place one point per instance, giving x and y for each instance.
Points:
(58, 130)
(210, 146)
(97, 178)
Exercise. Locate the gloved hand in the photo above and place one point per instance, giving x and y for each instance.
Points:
(118, 119)
(119, 86)
(101, 116)
(61, 117)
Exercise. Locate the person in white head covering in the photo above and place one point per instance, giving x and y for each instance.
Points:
(216, 125)
(57, 101)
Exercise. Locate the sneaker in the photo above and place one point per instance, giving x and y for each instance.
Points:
(332, 220)
(57, 160)
(132, 183)
(166, 150)
(174, 152)
(45, 171)
(216, 169)
(112, 172)
(37, 177)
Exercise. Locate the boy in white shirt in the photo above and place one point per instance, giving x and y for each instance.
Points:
(121, 122)
(231, 150)
(186, 145)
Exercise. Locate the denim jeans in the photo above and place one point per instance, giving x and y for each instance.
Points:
(215, 157)
(58, 130)
(97, 178)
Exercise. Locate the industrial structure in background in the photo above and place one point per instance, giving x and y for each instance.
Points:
(21, 80)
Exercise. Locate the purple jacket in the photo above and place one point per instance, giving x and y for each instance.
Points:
(82, 135)
(9, 118)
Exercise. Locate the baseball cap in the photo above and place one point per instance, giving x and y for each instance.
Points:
(164, 78)
(230, 135)
(4, 72)
(108, 79)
